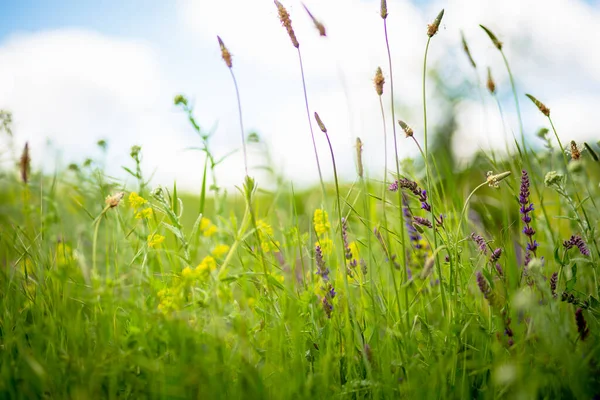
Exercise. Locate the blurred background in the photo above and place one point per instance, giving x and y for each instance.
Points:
(74, 73)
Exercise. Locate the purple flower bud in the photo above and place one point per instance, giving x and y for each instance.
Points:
(423, 222)
(480, 242)
(553, 282)
(577, 241)
(495, 255)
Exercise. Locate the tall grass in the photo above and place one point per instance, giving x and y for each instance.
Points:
(125, 292)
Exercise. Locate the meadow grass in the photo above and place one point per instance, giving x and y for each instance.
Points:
(433, 282)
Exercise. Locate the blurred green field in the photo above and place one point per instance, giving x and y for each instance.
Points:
(444, 282)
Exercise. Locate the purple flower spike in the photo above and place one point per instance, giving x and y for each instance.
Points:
(553, 282)
(480, 242)
(423, 222)
(495, 255)
(393, 187)
(322, 270)
(525, 210)
(484, 286)
(577, 241)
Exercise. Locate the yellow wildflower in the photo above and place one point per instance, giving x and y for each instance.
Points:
(321, 221)
(204, 224)
(206, 265)
(187, 273)
(211, 230)
(354, 249)
(220, 250)
(264, 228)
(146, 213)
(265, 233)
(136, 201)
(155, 239)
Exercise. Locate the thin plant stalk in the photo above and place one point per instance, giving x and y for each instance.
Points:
(312, 134)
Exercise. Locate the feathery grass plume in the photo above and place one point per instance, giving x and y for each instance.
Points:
(466, 49)
(541, 106)
(320, 123)
(383, 9)
(493, 37)
(379, 80)
(582, 327)
(591, 151)
(224, 53)
(286, 22)
(25, 163)
(320, 27)
(432, 29)
(359, 163)
(577, 241)
(407, 129)
(575, 152)
(491, 85)
(553, 282)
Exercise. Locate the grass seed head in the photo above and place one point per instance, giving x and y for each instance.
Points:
(466, 49)
(384, 12)
(491, 85)
(320, 27)
(113, 200)
(407, 129)
(541, 106)
(359, 162)
(25, 163)
(433, 28)
(493, 37)
(379, 80)
(225, 53)
(286, 21)
(320, 123)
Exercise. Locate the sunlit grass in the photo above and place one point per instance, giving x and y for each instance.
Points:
(426, 281)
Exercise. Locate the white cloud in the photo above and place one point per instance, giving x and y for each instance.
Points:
(78, 86)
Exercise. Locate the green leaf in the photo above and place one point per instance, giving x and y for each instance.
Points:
(274, 282)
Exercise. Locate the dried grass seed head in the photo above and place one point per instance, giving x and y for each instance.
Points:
(493, 37)
(379, 80)
(286, 22)
(320, 27)
(25, 163)
(359, 162)
(384, 12)
(114, 200)
(433, 28)
(466, 49)
(320, 123)
(225, 52)
(491, 85)
(541, 106)
(407, 129)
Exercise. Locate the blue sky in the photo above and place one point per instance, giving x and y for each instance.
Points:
(75, 72)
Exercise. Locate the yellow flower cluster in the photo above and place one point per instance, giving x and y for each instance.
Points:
(207, 227)
(174, 298)
(322, 227)
(155, 239)
(136, 202)
(265, 234)
(321, 222)
(146, 213)
(220, 250)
